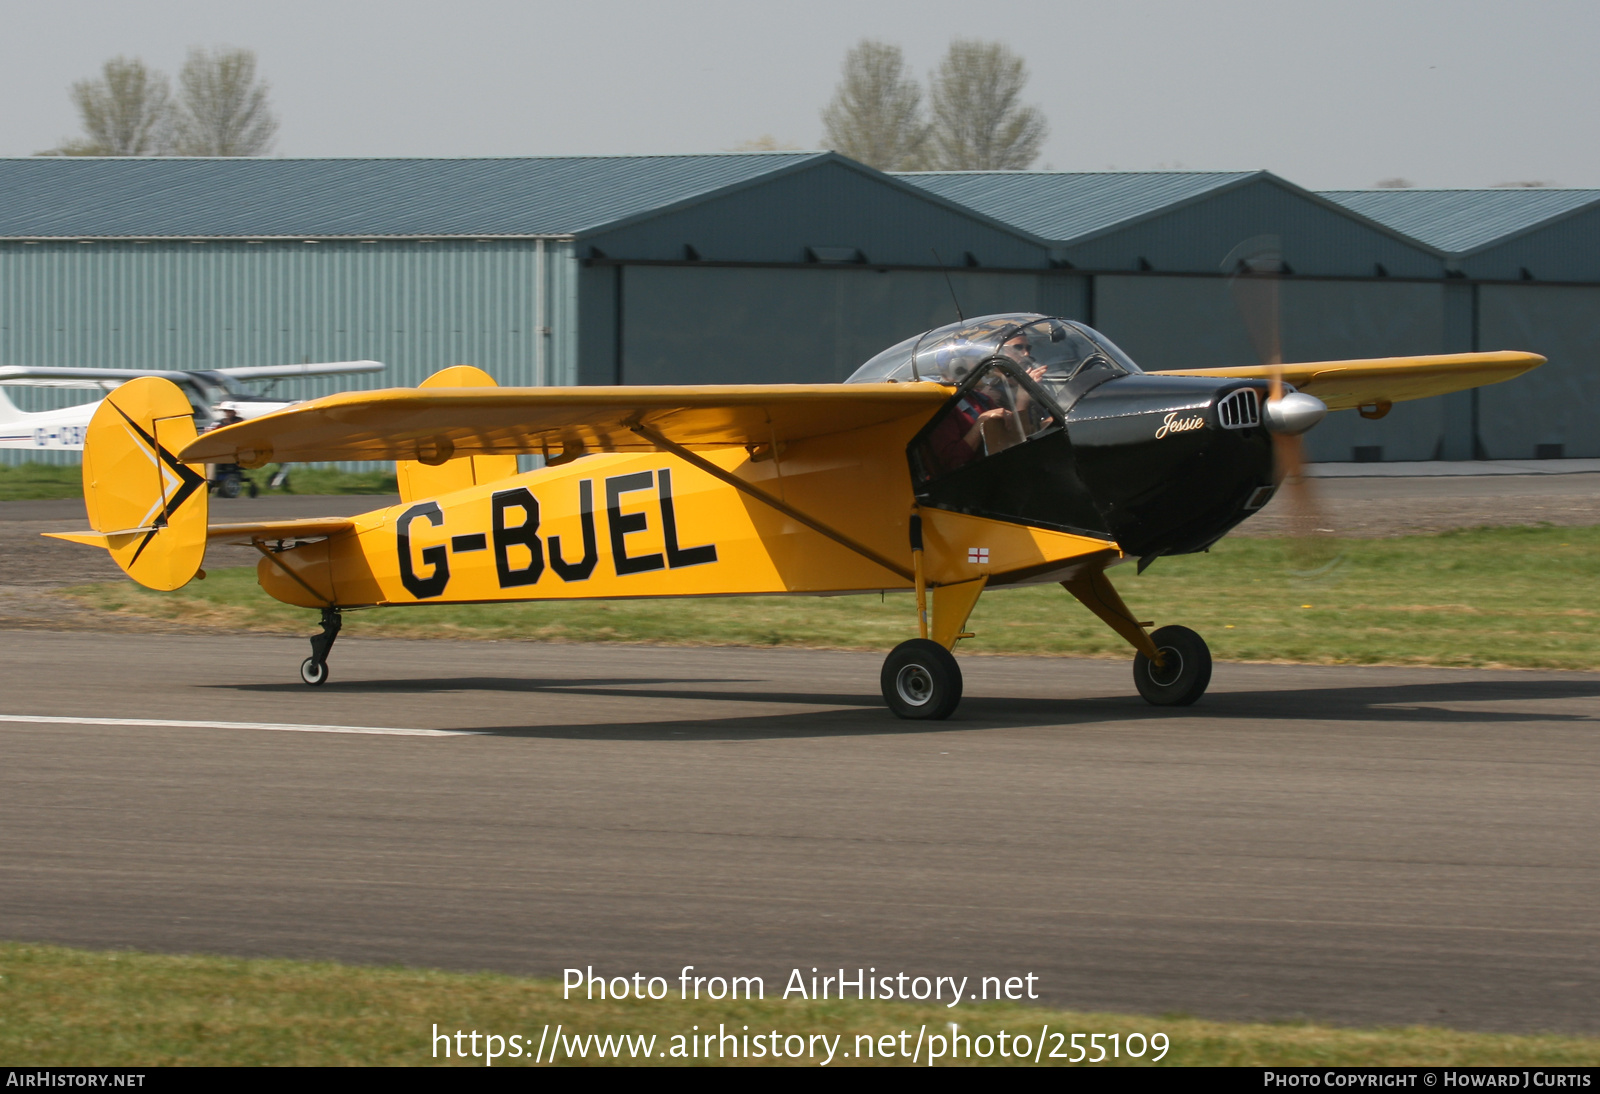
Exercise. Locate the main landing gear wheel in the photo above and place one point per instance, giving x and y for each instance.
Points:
(313, 672)
(1184, 673)
(921, 680)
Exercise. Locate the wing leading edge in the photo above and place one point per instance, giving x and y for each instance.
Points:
(436, 424)
(1344, 385)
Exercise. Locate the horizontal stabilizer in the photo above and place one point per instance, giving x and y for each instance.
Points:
(1347, 384)
(436, 424)
(98, 539)
(310, 528)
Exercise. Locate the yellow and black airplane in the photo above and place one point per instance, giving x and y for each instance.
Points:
(1000, 451)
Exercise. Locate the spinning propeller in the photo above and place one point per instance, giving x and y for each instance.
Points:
(1256, 267)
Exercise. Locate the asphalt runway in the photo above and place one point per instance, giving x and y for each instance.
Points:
(1356, 845)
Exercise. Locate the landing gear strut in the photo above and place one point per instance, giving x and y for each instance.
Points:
(920, 678)
(314, 669)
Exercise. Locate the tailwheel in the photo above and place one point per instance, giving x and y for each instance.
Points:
(314, 669)
(920, 679)
(1184, 673)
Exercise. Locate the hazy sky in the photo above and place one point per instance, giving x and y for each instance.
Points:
(1460, 93)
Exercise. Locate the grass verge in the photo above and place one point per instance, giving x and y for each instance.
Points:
(39, 481)
(61, 1007)
(1518, 597)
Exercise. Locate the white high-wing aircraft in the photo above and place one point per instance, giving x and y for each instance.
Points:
(210, 391)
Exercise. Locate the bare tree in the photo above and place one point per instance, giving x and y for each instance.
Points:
(876, 112)
(979, 121)
(764, 143)
(126, 112)
(223, 108)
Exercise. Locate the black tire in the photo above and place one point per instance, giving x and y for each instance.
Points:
(920, 679)
(228, 487)
(255, 491)
(314, 672)
(1185, 675)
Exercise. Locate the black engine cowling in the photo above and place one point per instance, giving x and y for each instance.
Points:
(1166, 472)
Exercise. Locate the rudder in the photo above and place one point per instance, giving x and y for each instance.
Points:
(147, 508)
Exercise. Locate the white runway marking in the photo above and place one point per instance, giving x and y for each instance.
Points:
(283, 726)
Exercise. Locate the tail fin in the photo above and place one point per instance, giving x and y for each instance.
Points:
(429, 479)
(8, 409)
(146, 507)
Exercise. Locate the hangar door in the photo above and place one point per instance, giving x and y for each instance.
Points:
(733, 325)
(1558, 403)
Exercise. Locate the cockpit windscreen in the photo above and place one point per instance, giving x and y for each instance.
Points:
(1065, 357)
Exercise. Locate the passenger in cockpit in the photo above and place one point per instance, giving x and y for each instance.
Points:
(959, 438)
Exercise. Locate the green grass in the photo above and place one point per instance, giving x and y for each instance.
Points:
(65, 1007)
(36, 481)
(1525, 597)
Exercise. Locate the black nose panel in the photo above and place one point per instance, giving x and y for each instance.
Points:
(1168, 477)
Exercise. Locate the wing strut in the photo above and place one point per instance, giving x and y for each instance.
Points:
(767, 499)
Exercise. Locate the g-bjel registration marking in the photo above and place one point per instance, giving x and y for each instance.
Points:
(520, 555)
(1003, 451)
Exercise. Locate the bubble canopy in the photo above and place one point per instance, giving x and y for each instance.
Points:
(1055, 351)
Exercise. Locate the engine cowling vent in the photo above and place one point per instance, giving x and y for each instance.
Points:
(1240, 409)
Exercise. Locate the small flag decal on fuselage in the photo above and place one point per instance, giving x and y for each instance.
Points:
(978, 556)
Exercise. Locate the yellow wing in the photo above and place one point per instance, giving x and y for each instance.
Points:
(1346, 384)
(436, 424)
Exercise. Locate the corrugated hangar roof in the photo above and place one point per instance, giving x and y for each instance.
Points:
(162, 197)
(1461, 221)
(1068, 205)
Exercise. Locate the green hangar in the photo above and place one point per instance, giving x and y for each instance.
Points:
(784, 267)
(597, 270)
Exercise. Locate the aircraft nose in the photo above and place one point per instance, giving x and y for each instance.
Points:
(1294, 413)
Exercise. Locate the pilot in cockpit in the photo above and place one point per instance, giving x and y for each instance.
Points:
(1018, 349)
